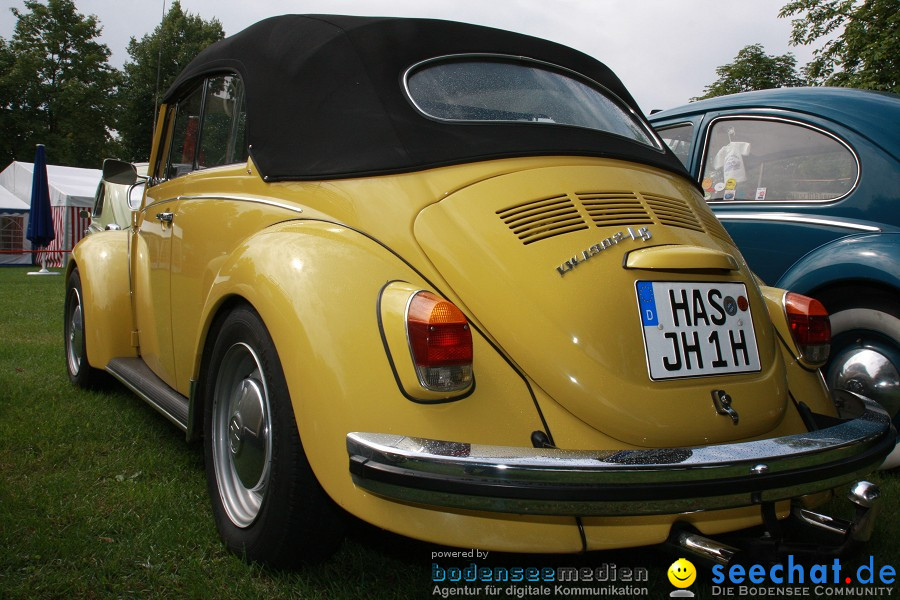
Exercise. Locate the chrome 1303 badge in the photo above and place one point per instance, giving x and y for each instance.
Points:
(642, 234)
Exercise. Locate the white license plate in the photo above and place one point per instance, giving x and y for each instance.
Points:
(693, 329)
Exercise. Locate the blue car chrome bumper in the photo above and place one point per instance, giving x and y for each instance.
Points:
(550, 481)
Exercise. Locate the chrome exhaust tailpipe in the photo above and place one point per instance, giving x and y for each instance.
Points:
(793, 537)
(865, 496)
(698, 548)
(820, 522)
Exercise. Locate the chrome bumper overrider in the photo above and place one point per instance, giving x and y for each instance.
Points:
(550, 481)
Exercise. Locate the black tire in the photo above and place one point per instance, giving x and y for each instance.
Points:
(861, 315)
(80, 371)
(268, 506)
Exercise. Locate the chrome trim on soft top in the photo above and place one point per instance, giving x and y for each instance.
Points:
(795, 218)
(553, 481)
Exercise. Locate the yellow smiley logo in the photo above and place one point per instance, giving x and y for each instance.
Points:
(682, 573)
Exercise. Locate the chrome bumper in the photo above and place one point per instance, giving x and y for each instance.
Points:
(625, 482)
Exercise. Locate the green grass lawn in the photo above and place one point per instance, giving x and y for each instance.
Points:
(101, 497)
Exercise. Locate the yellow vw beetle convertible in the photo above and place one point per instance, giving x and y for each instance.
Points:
(446, 279)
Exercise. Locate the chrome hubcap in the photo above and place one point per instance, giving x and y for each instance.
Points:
(867, 371)
(75, 333)
(241, 434)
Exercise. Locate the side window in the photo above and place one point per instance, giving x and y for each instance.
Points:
(224, 123)
(678, 139)
(99, 197)
(760, 160)
(185, 134)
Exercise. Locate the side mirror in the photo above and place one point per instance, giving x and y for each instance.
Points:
(119, 172)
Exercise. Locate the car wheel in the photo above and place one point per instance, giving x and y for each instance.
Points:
(865, 351)
(80, 371)
(268, 505)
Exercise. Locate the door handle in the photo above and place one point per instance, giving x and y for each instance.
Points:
(165, 217)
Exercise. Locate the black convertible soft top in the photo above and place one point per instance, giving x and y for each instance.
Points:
(325, 97)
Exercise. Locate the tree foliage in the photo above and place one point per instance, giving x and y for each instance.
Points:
(56, 86)
(753, 69)
(160, 55)
(862, 41)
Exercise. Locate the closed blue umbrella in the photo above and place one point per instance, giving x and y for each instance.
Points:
(40, 221)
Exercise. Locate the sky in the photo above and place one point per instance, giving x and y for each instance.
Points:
(665, 51)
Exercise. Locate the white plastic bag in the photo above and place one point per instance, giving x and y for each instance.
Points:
(730, 158)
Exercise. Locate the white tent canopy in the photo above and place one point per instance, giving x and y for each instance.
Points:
(69, 186)
(9, 202)
(71, 189)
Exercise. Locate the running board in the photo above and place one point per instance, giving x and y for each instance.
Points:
(137, 376)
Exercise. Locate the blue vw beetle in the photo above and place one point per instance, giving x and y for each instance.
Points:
(807, 183)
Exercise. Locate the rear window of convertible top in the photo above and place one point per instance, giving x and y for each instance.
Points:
(506, 89)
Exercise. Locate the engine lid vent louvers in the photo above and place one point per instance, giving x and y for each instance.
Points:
(672, 212)
(614, 208)
(542, 219)
(715, 228)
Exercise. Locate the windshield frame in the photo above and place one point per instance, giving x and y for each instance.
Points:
(657, 143)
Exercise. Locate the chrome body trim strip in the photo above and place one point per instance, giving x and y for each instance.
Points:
(551, 481)
(290, 207)
(795, 218)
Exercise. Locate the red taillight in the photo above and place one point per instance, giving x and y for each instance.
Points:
(440, 341)
(809, 325)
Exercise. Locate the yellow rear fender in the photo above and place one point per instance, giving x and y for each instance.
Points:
(316, 286)
(102, 261)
